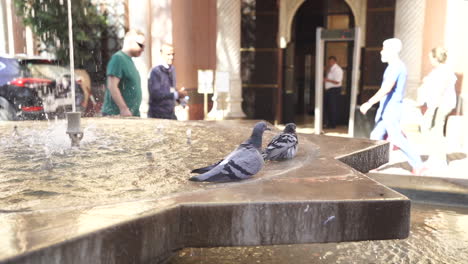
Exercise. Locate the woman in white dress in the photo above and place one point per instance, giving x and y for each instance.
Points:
(437, 93)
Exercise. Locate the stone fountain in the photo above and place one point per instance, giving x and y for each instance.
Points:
(123, 196)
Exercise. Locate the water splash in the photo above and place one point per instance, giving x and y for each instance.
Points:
(114, 157)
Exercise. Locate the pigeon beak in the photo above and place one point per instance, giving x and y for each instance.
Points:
(268, 128)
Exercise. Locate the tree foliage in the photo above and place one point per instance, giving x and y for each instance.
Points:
(48, 20)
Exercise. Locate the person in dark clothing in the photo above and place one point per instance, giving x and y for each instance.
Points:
(161, 86)
(333, 83)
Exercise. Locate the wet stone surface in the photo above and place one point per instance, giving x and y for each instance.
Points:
(125, 190)
(438, 235)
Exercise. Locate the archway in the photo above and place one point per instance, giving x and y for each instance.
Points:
(299, 58)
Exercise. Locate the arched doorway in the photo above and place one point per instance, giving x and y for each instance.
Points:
(299, 59)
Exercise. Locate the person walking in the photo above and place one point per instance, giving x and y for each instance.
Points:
(161, 87)
(438, 98)
(333, 82)
(390, 95)
(123, 93)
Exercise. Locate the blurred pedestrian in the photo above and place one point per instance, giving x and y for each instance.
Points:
(333, 82)
(438, 98)
(390, 95)
(123, 93)
(162, 87)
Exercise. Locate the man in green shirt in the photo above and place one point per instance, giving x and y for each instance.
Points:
(123, 93)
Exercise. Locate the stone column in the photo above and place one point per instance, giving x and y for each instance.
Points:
(219, 109)
(160, 23)
(228, 58)
(9, 36)
(409, 27)
(3, 24)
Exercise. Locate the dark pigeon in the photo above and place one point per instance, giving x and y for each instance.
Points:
(242, 163)
(283, 146)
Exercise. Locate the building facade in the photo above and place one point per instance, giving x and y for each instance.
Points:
(267, 47)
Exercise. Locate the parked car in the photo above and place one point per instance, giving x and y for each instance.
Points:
(35, 88)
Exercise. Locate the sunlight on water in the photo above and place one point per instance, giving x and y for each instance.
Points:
(117, 160)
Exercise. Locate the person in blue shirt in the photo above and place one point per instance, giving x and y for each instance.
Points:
(161, 87)
(390, 95)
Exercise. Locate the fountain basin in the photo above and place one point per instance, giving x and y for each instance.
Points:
(125, 208)
(438, 234)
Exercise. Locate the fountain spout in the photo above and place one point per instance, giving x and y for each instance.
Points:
(74, 128)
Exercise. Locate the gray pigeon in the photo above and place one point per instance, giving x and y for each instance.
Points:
(242, 163)
(283, 146)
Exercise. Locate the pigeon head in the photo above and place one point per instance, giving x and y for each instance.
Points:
(257, 133)
(290, 128)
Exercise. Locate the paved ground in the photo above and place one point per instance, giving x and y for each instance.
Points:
(457, 156)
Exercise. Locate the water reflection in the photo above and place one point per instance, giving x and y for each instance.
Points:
(116, 161)
(438, 235)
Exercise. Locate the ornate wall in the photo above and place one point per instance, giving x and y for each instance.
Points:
(288, 9)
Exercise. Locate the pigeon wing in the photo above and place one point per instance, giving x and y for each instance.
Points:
(207, 168)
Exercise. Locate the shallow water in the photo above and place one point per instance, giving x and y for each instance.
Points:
(117, 161)
(439, 234)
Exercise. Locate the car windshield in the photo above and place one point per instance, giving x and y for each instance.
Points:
(48, 71)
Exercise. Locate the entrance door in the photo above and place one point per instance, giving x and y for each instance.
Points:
(342, 51)
(299, 95)
(347, 99)
(289, 91)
